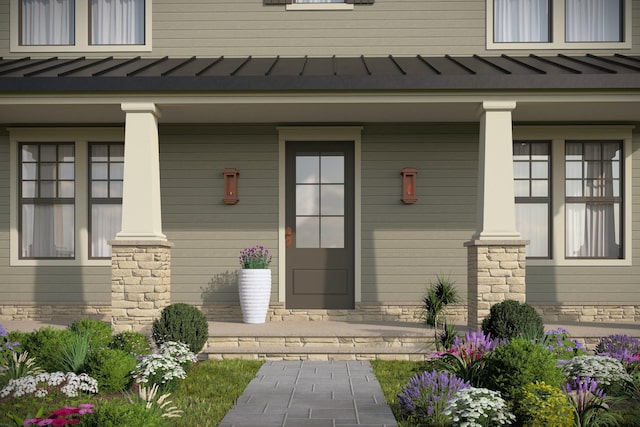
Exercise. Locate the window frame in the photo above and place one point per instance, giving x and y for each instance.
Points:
(38, 199)
(80, 137)
(108, 200)
(82, 20)
(537, 199)
(559, 135)
(557, 27)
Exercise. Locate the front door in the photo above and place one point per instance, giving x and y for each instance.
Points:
(319, 225)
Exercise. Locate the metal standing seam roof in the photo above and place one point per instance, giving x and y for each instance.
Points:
(361, 73)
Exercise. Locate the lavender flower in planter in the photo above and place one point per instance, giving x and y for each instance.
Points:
(427, 394)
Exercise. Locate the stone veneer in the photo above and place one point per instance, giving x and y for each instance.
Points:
(363, 312)
(140, 283)
(496, 272)
(393, 312)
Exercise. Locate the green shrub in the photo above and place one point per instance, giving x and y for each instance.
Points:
(134, 343)
(112, 369)
(45, 346)
(182, 323)
(511, 366)
(539, 404)
(121, 412)
(75, 355)
(509, 319)
(100, 331)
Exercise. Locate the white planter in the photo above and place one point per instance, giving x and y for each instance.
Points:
(254, 286)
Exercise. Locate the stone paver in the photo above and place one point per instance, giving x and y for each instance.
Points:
(312, 394)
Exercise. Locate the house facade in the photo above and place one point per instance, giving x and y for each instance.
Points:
(370, 145)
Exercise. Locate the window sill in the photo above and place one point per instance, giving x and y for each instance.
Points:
(319, 6)
(579, 262)
(80, 48)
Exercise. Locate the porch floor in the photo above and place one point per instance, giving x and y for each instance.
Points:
(339, 340)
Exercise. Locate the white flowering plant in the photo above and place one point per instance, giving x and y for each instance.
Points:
(478, 407)
(166, 366)
(605, 370)
(42, 384)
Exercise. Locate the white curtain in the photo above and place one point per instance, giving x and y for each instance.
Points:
(115, 22)
(106, 220)
(521, 21)
(532, 221)
(48, 231)
(47, 22)
(593, 20)
(593, 229)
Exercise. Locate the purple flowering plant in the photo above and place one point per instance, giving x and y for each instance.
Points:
(426, 395)
(465, 358)
(560, 343)
(255, 257)
(624, 348)
(588, 400)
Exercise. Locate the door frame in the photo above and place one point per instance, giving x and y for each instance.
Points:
(316, 134)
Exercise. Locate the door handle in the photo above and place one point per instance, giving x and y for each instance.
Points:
(288, 237)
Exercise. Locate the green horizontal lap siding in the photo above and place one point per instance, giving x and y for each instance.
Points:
(43, 285)
(398, 27)
(208, 235)
(592, 284)
(404, 247)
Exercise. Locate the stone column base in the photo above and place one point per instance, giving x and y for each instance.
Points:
(496, 272)
(140, 283)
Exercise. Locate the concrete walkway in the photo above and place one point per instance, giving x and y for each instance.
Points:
(312, 394)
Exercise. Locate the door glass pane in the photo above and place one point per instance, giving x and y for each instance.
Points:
(307, 232)
(116, 170)
(332, 200)
(539, 170)
(574, 170)
(332, 232)
(99, 171)
(307, 169)
(66, 189)
(332, 169)
(307, 200)
(115, 189)
(520, 170)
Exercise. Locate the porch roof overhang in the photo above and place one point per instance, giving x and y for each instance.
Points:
(328, 89)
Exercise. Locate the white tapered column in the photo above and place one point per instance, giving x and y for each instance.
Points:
(141, 213)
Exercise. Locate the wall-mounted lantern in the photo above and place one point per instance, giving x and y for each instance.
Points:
(409, 185)
(231, 186)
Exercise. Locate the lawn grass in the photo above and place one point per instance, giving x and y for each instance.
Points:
(210, 389)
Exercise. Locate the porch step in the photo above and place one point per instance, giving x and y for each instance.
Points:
(319, 340)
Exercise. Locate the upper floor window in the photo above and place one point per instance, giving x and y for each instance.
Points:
(73, 25)
(560, 24)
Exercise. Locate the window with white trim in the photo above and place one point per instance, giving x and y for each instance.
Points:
(573, 201)
(70, 25)
(66, 195)
(561, 24)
